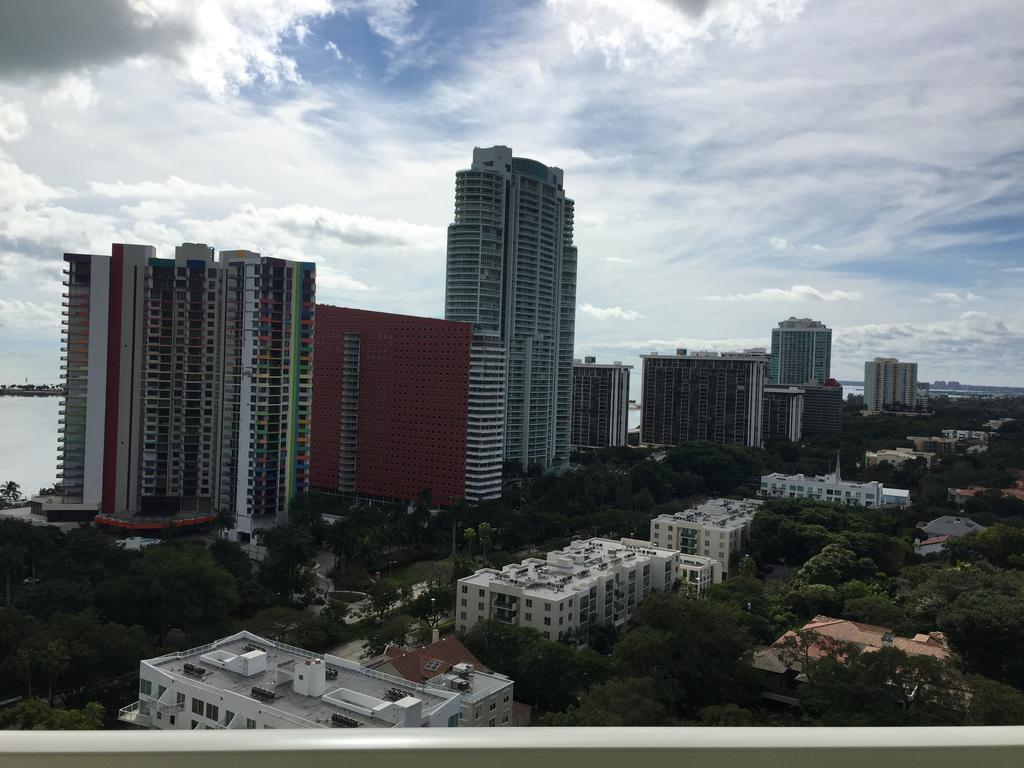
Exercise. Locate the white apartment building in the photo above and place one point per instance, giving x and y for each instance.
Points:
(715, 529)
(249, 682)
(592, 581)
(832, 488)
(697, 573)
(486, 696)
(966, 435)
(897, 456)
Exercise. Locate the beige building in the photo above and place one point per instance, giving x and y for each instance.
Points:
(897, 456)
(889, 385)
(716, 529)
(590, 582)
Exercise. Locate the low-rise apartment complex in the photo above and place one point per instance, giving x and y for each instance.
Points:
(246, 682)
(590, 582)
(832, 487)
(897, 457)
(716, 529)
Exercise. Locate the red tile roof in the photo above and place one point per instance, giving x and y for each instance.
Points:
(425, 663)
(934, 540)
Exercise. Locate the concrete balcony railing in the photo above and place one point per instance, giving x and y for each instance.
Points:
(507, 747)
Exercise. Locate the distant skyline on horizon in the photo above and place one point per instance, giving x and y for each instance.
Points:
(733, 163)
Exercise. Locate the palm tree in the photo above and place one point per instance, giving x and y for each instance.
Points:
(223, 521)
(54, 661)
(10, 492)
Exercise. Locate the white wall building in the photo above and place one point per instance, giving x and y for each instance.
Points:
(249, 682)
(592, 581)
(697, 573)
(833, 488)
(715, 529)
(966, 435)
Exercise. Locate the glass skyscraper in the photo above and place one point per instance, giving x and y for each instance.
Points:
(512, 273)
(801, 352)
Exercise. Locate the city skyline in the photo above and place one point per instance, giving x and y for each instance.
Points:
(731, 168)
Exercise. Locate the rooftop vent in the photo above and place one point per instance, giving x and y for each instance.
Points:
(340, 721)
(192, 669)
(262, 694)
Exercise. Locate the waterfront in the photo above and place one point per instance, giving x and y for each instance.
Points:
(28, 441)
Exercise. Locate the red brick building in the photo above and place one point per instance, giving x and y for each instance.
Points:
(390, 402)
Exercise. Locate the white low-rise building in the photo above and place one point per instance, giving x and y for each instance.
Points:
(715, 529)
(833, 488)
(249, 682)
(590, 582)
(697, 573)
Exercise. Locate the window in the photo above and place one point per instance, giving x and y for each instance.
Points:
(160, 691)
(195, 724)
(529, 603)
(547, 621)
(250, 724)
(228, 716)
(462, 615)
(504, 719)
(494, 705)
(505, 700)
(180, 697)
(480, 606)
(145, 687)
(197, 707)
(481, 593)
(171, 718)
(463, 602)
(212, 712)
(453, 721)
(529, 616)
(547, 607)
(465, 589)
(491, 722)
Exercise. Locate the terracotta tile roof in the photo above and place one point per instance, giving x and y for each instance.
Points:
(421, 665)
(781, 655)
(934, 540)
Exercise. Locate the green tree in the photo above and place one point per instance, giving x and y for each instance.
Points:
(10, 494)
(12, 556)
(289, 552)
(486, 535)
(993, 703)
(469, 535)
(383, 595)
(633, 701)
(35, 715)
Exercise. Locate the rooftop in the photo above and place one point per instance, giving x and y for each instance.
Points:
(570, 569)
(950, 525)
(244, 662)
(717, 513)
(831, 478)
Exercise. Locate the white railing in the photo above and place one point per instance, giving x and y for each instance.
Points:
(991, 747)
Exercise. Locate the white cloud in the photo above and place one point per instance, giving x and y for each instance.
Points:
(13, 121)
(332, 47)
(796, 293)
(330, 279)
(609, 313)
(73, 90)
(951, 297)
(24, 316)
(153, 209)
(820, 248)
(619, 260)
(779, 243)
(174, 188)
(390, 19)
(18, 188)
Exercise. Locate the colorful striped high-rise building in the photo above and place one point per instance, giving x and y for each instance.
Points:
(189, 386)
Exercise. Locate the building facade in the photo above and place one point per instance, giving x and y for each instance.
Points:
(590, 582)
(823, 408)
(889, 385)
(782, 413)
(718, 529)
(833, 488)
(188, 385)
(801, 352)
(511, 272)
(702, 396)
(390, 406)
(897, 457)
(247, 682)
(600, 404)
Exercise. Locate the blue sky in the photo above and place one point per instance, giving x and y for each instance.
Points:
(733, 162)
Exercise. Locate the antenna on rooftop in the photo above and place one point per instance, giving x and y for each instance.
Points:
(838, 477)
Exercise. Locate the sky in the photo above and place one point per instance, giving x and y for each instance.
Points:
(733, 162)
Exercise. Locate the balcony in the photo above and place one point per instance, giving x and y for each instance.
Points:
(993, 747)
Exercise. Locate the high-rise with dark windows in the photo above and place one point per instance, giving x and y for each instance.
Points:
(188, 386)
(600, 403)
(703, 396)
(511, 272)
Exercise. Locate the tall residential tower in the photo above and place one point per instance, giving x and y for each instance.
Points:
(511, 272)
(801, 352)
(600, 403)
(188, 386)
(889, 385)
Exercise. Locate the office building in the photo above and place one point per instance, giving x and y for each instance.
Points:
(702, 396)
(889, 385)
(247, 682)
(801, 352)
(782, 413)
(600, 404)
(823, 408)
(590, 582)
(188, 386)
(718, 529)
(390, 406)
(833, 488)
(511, 272)
(897, 457)
(487, 697)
